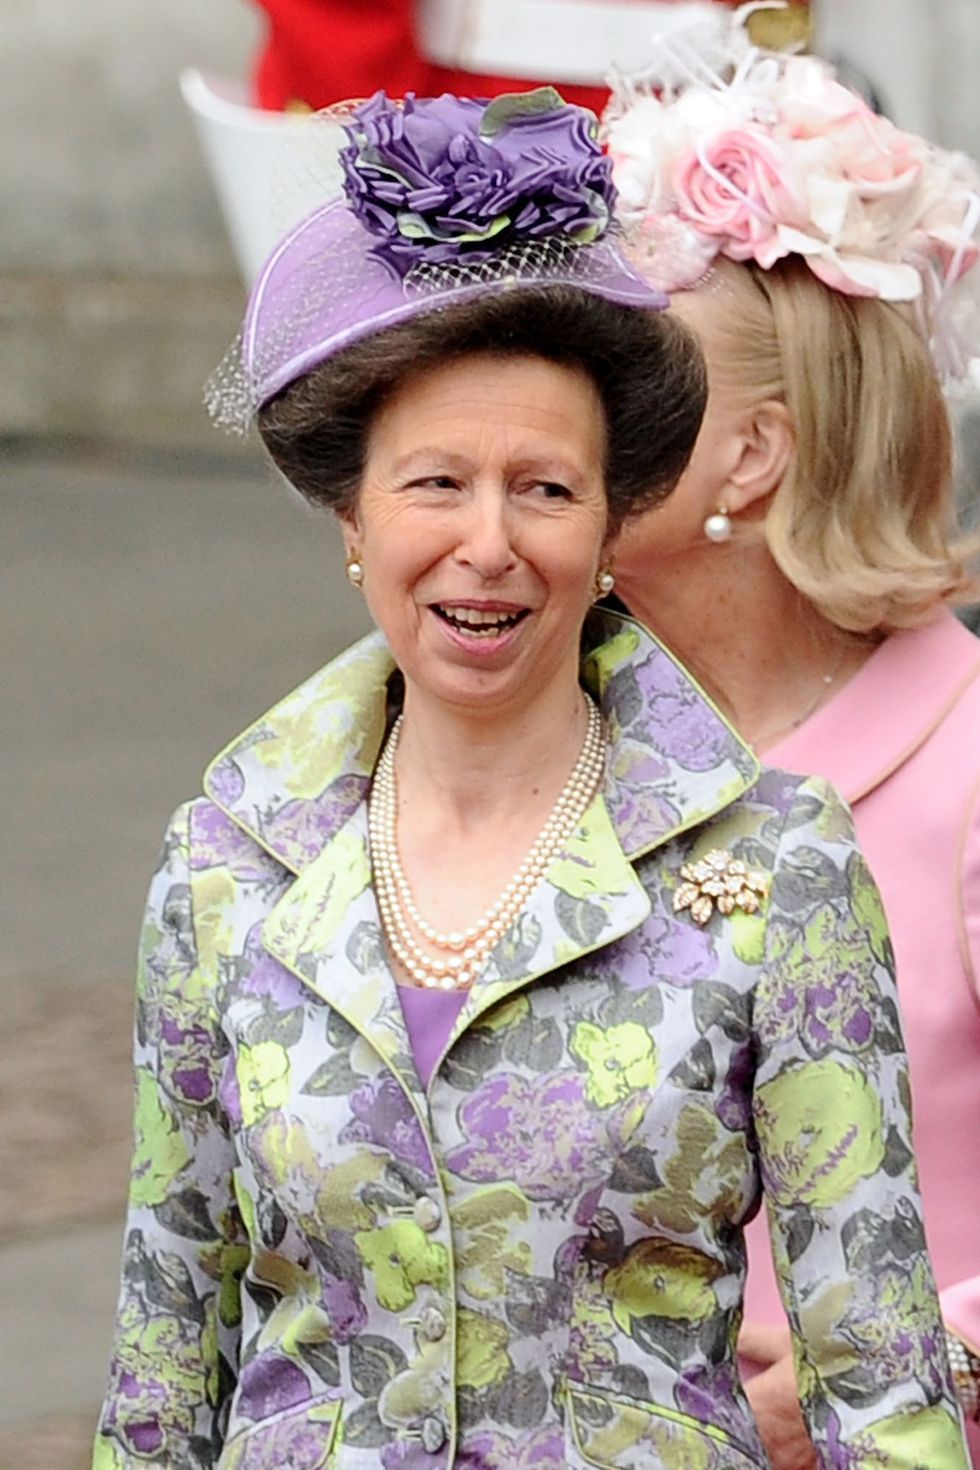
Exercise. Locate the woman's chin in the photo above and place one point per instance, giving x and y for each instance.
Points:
(476, 690)
(486, 679)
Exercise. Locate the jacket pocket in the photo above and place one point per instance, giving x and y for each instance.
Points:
(303, 1437)
(617, 1433)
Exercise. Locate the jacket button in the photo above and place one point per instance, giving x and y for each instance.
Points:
(433, 1435)
(432, 1324)
(426, 1214)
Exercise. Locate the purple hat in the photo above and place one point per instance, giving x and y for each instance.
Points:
(444, 199)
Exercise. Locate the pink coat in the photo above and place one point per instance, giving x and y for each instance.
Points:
(901, 742)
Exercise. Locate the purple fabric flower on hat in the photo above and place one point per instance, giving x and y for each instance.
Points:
(447, 177)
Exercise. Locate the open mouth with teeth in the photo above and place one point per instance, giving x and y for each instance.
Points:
(479, 622)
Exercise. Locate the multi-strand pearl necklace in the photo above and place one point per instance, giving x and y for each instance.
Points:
(449, 961)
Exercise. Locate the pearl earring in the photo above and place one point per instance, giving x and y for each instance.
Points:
(718, 527)
(355, 571)
(604, 583)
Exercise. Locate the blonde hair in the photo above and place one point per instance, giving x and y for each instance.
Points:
(864, 522)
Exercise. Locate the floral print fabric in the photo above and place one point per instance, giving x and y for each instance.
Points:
(536, 1260)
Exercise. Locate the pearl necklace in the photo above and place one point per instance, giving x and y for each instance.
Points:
(460, 957)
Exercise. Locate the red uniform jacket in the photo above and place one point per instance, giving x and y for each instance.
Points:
(323, 51)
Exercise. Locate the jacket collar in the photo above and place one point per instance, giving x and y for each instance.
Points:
(296, 782)
(896, 701)
(294, 778)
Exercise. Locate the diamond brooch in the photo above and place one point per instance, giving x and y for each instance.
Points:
(719, 881)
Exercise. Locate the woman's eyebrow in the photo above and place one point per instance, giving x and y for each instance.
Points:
(428, 457)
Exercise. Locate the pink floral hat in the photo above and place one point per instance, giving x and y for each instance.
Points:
(756, 156)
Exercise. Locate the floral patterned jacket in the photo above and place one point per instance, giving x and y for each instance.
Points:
(537, 1260)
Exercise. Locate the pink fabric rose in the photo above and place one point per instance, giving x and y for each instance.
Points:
(874, 155)
(733, 186)
(868, 150)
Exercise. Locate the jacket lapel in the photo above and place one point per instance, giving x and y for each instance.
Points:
(297, 782)
(296, 776)
(673, 762)
(326, 929)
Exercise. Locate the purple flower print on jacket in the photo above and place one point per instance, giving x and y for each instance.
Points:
(384, 1116)
(218, 842)
(189, 1059)
(306, 826)
(346, 1312)
(665, 950)
(539, 1132)
(538, 1449)
(226, 781)
(264, 978)
(270, 1383)
(688, 732)
(712, 1394)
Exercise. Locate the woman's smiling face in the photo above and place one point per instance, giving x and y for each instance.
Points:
(481, 523)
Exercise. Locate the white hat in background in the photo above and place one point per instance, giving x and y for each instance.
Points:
(262, 190)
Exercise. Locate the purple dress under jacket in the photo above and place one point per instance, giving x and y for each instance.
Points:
(429, 1019)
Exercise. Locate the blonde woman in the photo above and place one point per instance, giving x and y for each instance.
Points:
(807, 564)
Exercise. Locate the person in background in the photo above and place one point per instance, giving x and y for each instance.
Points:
(467, 1039)
(807, 564)
(318, 51)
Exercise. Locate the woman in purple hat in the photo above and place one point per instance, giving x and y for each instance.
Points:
(474, 1015)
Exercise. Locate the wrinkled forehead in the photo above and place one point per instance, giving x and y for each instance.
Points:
(506, 410)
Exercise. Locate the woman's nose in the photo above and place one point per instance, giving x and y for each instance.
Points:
(487, 542)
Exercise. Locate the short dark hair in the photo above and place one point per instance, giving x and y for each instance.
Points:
(646, 366)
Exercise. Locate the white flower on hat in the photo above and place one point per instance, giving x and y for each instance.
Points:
(760, 155)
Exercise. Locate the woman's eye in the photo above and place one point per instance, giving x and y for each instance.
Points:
(552, 490)
(434, 482)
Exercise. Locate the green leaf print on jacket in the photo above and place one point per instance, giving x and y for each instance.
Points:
(928, 1437)
(481, 1350)
(489, 1244)
(264, 1079)
(821, 1126)
(401, 1258)
(161, 1150)
(621, 1061)
(704, 1174)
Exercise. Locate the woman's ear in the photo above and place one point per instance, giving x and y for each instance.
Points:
(768, 444)
(607, 552)
(350, 530)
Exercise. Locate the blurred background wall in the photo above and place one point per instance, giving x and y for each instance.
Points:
(117, 286)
